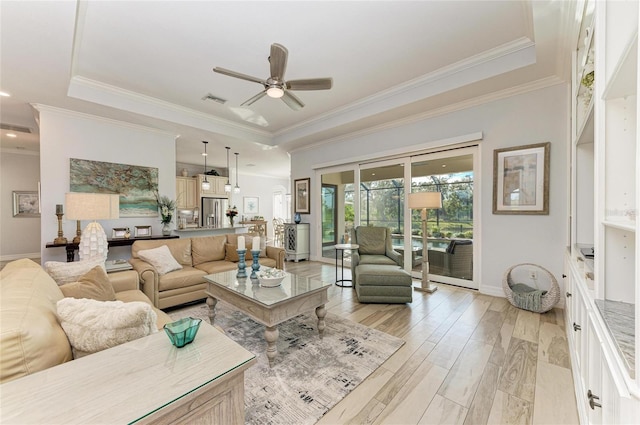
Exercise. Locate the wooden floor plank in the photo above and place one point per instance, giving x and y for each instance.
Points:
(519, 370)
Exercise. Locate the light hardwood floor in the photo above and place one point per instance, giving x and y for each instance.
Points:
(468, 358)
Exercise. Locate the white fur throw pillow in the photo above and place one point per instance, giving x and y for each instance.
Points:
(93, 326)
(160, 258)
(70, 272)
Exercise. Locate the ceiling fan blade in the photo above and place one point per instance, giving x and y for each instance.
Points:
(310, 84)
(235, 74)
(278, 61)
(255, 98)
(292, 101)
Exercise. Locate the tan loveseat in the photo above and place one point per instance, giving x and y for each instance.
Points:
(198, 256)
(31, 337)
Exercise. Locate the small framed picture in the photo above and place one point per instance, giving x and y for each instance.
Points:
(119, 232)
(251, 205)
(301, 192)
(521, 180)
(142, 232)
(26, 204)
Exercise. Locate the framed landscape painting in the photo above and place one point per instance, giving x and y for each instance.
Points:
(521, 180)
(136, 185)
(301, 192)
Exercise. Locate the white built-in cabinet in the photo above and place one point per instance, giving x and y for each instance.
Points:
(186, 192)
(603, 292)
(296, 241)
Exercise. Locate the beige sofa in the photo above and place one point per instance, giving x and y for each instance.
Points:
(198, 256)
(31, 337)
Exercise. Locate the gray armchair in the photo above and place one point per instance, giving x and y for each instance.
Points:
(376, 269)
(375, 248)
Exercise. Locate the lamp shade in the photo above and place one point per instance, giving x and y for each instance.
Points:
(92, 206)
(428, 200)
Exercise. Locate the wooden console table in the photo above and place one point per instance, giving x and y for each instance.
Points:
(73, 247)
(146, 381)
(260, 225)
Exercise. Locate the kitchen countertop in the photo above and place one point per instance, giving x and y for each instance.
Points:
(212, 230)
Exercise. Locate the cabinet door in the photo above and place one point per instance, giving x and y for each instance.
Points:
(181, 193)
(219, 186)
(191, 199)
(594, 396)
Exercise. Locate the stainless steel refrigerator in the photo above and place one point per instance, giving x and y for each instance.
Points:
(213, 212)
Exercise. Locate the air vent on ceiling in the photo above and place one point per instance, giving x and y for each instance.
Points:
(17, 128)
(217, 99)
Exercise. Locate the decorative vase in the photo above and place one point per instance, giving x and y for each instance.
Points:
(166, 229)
(231, 218)
(185, 172)
(296, 218)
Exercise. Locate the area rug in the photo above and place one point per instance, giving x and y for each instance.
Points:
(310, 375)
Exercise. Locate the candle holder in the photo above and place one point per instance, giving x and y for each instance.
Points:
(242, 266)
(60, 239)
(255, 266)
(76, 240)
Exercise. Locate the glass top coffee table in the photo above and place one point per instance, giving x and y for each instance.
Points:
(266, 305)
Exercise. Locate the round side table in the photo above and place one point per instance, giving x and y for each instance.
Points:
(342, 247)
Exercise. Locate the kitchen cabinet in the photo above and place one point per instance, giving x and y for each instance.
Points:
(186, 193)
(216, 189)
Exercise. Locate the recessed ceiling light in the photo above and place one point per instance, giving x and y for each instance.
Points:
(13, 135)
(444, 165)
(4, 93)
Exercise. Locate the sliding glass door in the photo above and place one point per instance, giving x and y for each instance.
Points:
(450, 228)
(336, 210)
(375, 194)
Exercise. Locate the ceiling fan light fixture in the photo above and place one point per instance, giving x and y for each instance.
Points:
(275, 92)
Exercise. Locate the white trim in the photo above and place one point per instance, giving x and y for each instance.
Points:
(75, 114)
(12, 257)
(405, 151)
(20, 151)
(494, 291)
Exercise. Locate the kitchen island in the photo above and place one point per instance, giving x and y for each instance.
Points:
(191, 232)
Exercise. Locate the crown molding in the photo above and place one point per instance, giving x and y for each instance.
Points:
(466, 104)
(20, 151)
(108, 95)
(504, 58)
(75, 114)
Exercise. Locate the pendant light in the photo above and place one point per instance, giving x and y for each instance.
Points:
(236, 189)
(205, 183)
(227, 187)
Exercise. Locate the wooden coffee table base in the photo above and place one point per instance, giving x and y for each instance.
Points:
(273, 315)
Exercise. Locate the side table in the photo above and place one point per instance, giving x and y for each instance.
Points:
(342, 247)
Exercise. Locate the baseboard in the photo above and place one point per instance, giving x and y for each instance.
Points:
(12, 257)
(494, 291)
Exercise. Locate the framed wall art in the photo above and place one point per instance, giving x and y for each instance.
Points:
(136, 185)
(302, 197)
(26, 204)
(521, 180)
(119, 232)
(251, 205)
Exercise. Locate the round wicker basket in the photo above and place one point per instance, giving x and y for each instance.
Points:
(548, 300)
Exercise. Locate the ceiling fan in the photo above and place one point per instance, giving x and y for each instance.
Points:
(275, 86)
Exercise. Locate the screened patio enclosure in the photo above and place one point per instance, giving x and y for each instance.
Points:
(380, 201)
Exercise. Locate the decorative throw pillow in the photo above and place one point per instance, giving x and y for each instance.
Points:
(70, 272)
(231, 252)
(94, 285)
(160, 258)
(92, 326)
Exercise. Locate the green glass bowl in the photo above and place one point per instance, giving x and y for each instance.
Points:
(183, 331)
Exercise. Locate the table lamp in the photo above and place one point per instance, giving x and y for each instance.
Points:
(425, 201)
(92, 206)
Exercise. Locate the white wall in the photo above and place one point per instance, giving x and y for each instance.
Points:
(533, 117)
(65, 135)
(261, 187)
(20, 235)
